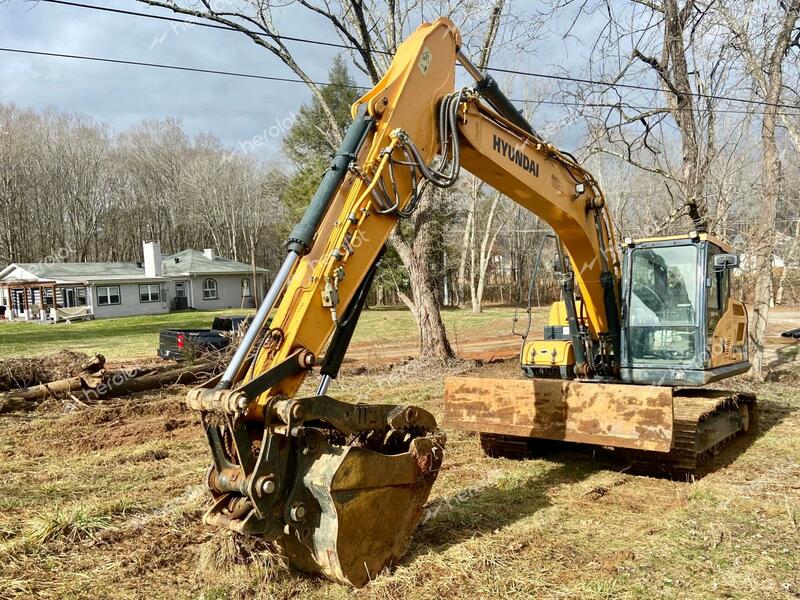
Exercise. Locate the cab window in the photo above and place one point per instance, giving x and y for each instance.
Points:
(662, 305)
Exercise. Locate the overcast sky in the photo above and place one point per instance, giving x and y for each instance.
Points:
(234, 109)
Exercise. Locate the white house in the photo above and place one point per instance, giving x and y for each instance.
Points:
(188, 279)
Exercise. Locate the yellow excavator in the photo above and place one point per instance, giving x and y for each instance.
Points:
(339, 487)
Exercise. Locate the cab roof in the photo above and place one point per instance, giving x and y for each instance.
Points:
(704, 237)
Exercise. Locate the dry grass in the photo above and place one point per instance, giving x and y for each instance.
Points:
(69, 526)
(107, 502)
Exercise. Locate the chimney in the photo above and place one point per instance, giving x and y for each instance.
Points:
(152, 259)
(209, 253)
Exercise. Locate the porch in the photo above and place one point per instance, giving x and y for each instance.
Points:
(44, 300)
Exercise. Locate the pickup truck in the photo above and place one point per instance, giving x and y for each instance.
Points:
(179, 344)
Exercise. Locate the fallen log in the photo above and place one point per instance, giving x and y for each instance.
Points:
(90, 374)
(102, 384)
(55, 388)
(121, 383)
(30, 397)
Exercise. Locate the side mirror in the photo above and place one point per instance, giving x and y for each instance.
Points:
(722, 262)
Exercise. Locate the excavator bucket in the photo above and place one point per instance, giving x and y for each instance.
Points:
(370, 505)
(337, 487)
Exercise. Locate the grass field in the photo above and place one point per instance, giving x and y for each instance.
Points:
(106, 501)
(133, 337)
(115, 338)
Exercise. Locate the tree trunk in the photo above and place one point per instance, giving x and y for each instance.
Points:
(765, 238)
(433, 342)
(445, 279)
(760, 313)
(787, 263)
(461, 285)
(473, 291)
(379, 294)
(487, 247)
(255, 289)
(771, 169)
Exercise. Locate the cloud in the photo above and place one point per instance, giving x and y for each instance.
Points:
(230, 108)
(233, 109)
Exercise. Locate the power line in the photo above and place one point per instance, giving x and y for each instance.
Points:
(134, 13)
(327, 83)
(173, 67)
(344, 46)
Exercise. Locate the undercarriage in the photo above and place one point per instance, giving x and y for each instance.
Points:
(704, 422)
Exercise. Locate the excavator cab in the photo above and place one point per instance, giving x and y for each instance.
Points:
(680, 324)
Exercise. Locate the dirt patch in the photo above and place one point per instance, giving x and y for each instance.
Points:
(484, 348)
(411, 366)
(117, 423)
(18, 373)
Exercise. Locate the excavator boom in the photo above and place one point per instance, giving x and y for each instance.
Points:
(338, 487)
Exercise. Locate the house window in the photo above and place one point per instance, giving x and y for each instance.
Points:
(245, 287)
(108, 295)
(149, 292)
(210, 289)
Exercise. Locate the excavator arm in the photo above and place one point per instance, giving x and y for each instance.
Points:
(340, 487)
(552, 185)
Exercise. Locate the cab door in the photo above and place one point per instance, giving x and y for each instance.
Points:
(726, 318)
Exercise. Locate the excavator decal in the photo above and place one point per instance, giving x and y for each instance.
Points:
(516, 155)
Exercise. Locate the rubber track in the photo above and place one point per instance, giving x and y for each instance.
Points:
(506, 446)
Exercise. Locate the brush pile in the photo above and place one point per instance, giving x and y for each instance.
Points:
(18, 373)
(84, 380)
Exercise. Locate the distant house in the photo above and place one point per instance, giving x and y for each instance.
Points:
(188, 279)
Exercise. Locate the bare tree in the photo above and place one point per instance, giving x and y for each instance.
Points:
(372, 29)
(789, 261)
(481, 251)
(69, 191)
(765, 40)
(17, 139)
(790, 231)
(669, 41)
(477, 273)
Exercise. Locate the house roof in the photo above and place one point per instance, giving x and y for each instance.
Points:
(181, 264)
(80, 271)
(189, 262)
